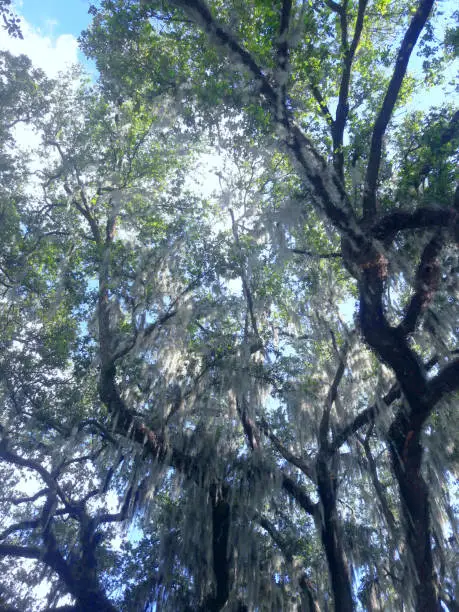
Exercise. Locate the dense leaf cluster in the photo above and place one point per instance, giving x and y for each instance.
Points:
(228, 303)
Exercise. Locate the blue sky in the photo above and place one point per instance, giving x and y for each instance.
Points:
(50, 29)
(56, 17)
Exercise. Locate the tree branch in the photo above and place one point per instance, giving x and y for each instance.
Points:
(409, 40)
(250, 428)
(24, 525)
(316, 255)
(322, 104)
(245, 281)
(445, 382)
(423, 217)
(25, 552)
(328, 191)
(282, 49)
(363, 418)
(334, 6)
(387, 512)
(342, 109)
(47, 478)
(82, 208)
(26, 499)
(331, 396)
(199, 10)
(427, 280)
(282, 544)
(298, 462)
(299, 494)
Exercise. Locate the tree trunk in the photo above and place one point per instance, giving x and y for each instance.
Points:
(406, 456)
(221, 521)
(332, 540)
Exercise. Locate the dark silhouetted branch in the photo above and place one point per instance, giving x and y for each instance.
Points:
(445, 382)
(423, 218)
(427, 280)
(316, 255)
(342, 109)
(299, 494)
(409, 41)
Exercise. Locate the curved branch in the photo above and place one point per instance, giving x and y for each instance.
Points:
(11, 457)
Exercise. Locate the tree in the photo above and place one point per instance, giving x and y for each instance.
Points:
(194, 358)
(11, 22)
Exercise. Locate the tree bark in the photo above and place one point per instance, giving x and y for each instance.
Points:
(406, 456)
(332, 540)
(221, 522)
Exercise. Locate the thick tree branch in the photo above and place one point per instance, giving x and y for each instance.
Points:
(248, 424)
(342, 109)
(299, 494)
(80, 578)
(390, 99)
(25, 552)
(221, 555)
(422, 218)
(427, 280)
(388, 342)
(328, 190)
(444, 383)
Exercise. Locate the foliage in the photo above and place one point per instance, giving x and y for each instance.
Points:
(231, 388)
(11, 22)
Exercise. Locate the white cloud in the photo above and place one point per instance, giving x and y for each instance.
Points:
(50, 54)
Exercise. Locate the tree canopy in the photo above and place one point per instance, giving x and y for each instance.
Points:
(229, 310)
